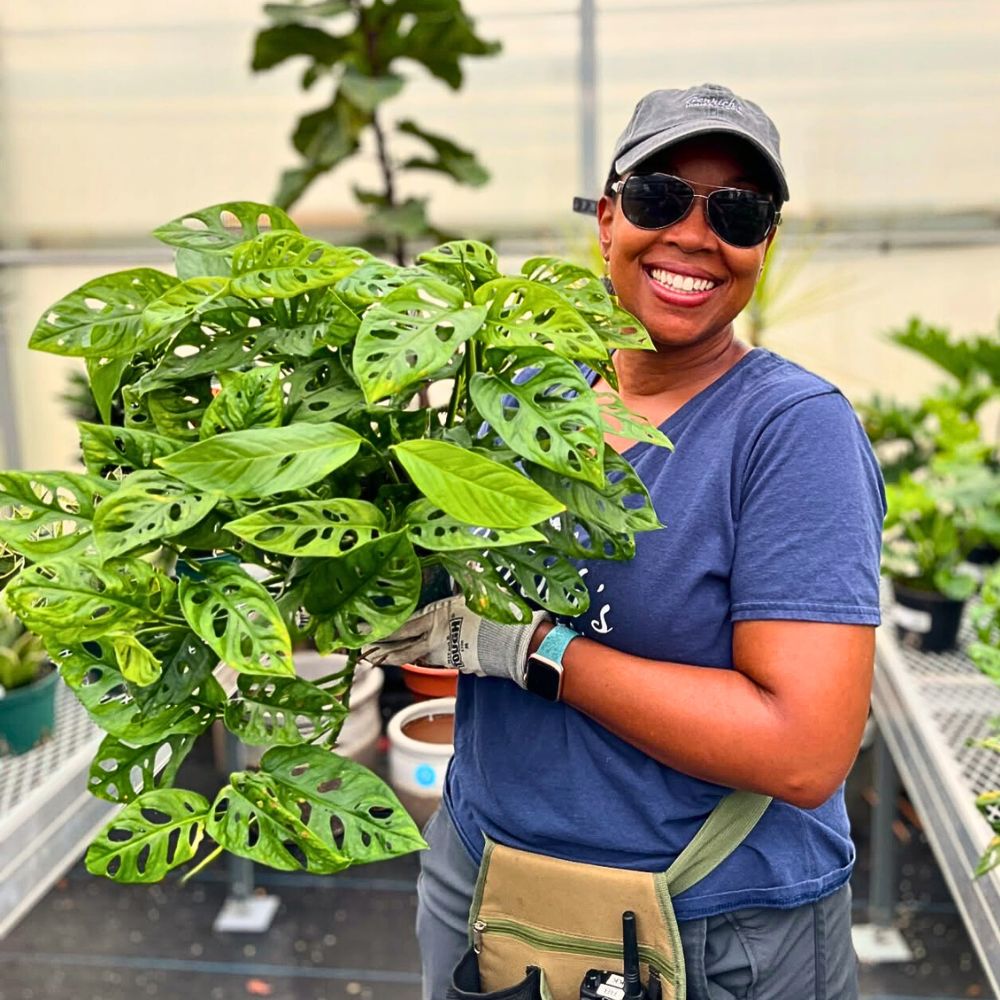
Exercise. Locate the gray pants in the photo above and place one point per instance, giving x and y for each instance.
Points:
(757, 954)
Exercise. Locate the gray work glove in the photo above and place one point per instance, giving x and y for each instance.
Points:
(447, 634)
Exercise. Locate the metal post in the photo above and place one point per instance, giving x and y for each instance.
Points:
(588, 99)
(881, 894)
(10, 439)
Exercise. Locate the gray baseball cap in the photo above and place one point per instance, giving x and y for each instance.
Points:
(664, 117)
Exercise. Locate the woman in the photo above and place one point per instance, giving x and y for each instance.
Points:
(735, 650)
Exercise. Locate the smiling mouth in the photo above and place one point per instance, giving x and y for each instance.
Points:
(682, 283)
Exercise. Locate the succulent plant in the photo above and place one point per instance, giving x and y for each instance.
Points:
(21, 652)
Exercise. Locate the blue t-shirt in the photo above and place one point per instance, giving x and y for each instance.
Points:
(773, 506)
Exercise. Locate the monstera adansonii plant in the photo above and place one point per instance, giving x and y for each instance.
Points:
(276, 479)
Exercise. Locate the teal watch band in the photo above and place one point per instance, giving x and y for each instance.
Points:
(543, 674)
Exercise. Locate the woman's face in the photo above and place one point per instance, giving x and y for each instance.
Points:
(642, 261)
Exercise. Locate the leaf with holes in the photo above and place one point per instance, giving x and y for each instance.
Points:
(540, 405)
(177, 410)
(580, 537)
(523, 313)
(367, 594)
(621, 329)
(618, 419)
(153, 834)
(201, 350)
(282, 711)
(264, 461)
(122, 447)
(136, 663)
(186, 676)
(410, 334)
(121, 773)
(84, 599)
(473, 488)
(103, 318)
(348, 805)
(321, 391)
(185, 303)
(148, 506)
(212, 229)
(238, 618)
(105, 376)
(311, 322)
(312, 527)
(431, 528)
(246, 399)
(462, 257)
(280, 265)
(581, 288)
(545, 577)
(483, 588)
(373, 282)
(46, 514)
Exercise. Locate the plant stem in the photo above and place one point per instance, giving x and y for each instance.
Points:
(204, 863)
(457, 391)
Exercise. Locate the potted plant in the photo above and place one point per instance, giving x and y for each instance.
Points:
(27, 686)
(277, 479)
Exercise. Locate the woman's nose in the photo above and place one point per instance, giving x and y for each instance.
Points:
(692, 233)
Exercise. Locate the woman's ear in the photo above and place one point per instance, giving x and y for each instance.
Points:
(605, 217)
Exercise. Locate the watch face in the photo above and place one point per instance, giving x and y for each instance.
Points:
(543, 678)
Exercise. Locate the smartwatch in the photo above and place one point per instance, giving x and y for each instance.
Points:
(543, 673)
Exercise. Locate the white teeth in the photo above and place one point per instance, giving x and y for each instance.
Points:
(681, 282)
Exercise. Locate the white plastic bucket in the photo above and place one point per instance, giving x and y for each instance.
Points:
(417, 768)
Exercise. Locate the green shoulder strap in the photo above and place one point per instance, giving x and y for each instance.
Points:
(726, 828)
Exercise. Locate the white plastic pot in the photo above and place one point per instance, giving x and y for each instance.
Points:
(417, 767)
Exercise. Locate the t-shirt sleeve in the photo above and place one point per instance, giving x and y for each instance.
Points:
(809, 528)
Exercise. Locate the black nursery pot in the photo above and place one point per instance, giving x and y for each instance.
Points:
(985, 554)
(926, 620)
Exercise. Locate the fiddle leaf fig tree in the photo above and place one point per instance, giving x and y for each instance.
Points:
(274, 478)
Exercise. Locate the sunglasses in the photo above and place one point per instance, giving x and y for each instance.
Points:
(739, 217)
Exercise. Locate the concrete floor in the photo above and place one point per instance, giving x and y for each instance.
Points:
(351, 935)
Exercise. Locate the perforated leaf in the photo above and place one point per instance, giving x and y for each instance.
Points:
(431, 528)
(186, 676)
(152, 835)
(312, 527)
(310, 322)
(621, 329)
(461, 257)
(246, 399)
(148, 507)
(321, 391)
(545, 577)
(280, 265)
(48, 513)
(540, 405)
(617, 418)
(136, 663)
(265, 461)
(282, 711)
(374, 281)
(410, 334)
(177, 410)
(83, 599)
(237, 617)
(220, 227)
(125, 447)
(184, 303)
(583, 290)
(368, 593)
(102, 318)
(202, 350)
(523, 313)
(120, 772)
(472, 488)
(484, 589)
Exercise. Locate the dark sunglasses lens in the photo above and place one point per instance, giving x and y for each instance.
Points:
(741, 218)
(655, 201)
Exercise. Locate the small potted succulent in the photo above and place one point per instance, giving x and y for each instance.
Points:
(293, 436)
(27, 686)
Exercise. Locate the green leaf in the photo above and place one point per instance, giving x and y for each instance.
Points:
(264, 461)
(46, 514)
(368, 593)
(103, 318)
(368, 92)
(545, 577)
(431, 528)
(282, 711)
(83, 599)
(147, 508)
(330, 135)
(292, 13)
(523, 313)
(441, 36)
(374, 281)
(202, 263)
(472, 488)
(581, 288)
(408, 219)
(462, 258)
(320, 319)
(152, 835)
(238, 618)
(321, 391)
(621, 329)
(281, 265)
(177, 410)
(187, 674)
(121, 773)
(456, 161)
(618, 419)
(542, 407)
(274, 45)
(410, 334)
(484, 590)
(246, 399)
(105, 376)
(136, 663)
(219, 228)
(182, 304)
(312, 527)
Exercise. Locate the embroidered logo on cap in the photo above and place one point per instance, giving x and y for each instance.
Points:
(719, 103)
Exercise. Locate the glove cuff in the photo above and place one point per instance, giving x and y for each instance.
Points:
(502, 650)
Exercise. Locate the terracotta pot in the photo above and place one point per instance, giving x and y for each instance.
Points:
(430, 682)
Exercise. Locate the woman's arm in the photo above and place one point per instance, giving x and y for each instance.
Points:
(787, 721)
